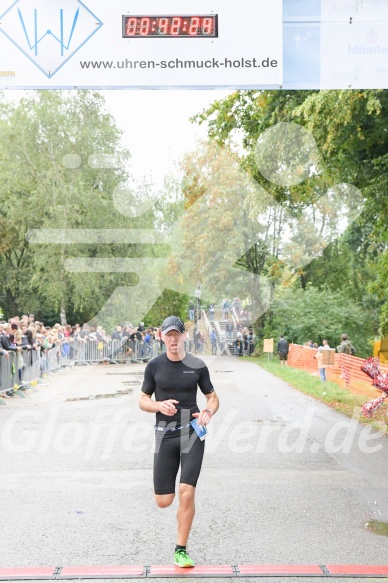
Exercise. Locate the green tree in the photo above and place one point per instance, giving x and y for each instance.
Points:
(350, 130)
(317, 315)
(169, 304)
(216, 243)
(60, 161)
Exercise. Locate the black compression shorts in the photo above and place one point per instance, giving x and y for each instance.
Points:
(170, 452)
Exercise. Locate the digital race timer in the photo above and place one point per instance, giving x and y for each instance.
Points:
(177, 26)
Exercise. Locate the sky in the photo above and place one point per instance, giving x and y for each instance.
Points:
(156, 126)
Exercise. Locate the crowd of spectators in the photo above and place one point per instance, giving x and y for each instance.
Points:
(239, 340)
(346, 347)
(24, 333)
(126, 334)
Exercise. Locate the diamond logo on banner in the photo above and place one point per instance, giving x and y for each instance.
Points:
(49, 33)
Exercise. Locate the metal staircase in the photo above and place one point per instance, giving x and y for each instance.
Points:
(228, 347)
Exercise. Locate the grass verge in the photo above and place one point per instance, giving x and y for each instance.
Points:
(328, 392)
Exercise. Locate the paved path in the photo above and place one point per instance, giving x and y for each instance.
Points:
(76, 477)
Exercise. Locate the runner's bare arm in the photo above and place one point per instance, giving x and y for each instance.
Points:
(212, 402)
(146, 403)
(212, 405)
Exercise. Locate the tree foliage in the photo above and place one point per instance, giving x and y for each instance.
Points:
(350, 128)
(61, 160)
(318, 314)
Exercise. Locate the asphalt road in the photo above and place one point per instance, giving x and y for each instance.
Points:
(285, 479)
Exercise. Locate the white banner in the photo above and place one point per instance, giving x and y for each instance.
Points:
(354, 56)
(353, 10)
(140, 43)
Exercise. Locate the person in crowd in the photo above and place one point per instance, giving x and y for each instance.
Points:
(225, 306)
(282, 350)
(24, 339)
(126, 331)
(39, 339)
(223, 341)
(229, 330)
(84, 331)
(93, 340)
(346, 347)
(191, 311)
(65, 348)
(147, 342)
(310, 344)
(202, 342)
(18, 342)
(72, 346)
(31, 337)
(245, 339)
(136, 335)
(5, 341)
(61, 331)
(251, 342)
(11, 332)
(133, 342)
(48, 342)
(4, 354)
(80, 340)
(68, 330)
(188, 342)
(319, 357)
(212, 309)
(56, 342)
(239, 344)
(158, 336)
(237, 307)
(17, 337)
(104, 336)
(213, 340)
(140, 345)
(197, 340)
(117, 334)
(99, 334)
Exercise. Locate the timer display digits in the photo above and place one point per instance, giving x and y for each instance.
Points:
(176, 26)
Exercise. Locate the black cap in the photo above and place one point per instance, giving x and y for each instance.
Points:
(173, 323)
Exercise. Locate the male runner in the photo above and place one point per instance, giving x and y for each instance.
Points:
(174, 377)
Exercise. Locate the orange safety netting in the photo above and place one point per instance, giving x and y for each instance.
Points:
(346, 371)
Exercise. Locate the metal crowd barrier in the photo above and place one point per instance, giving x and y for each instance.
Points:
(24, 370)
(53, 358)
(115, 351)
(8, 374)
(39, 363)
(18, 372)
(30, 373)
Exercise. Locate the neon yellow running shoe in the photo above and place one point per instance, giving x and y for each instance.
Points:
(182, 559)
